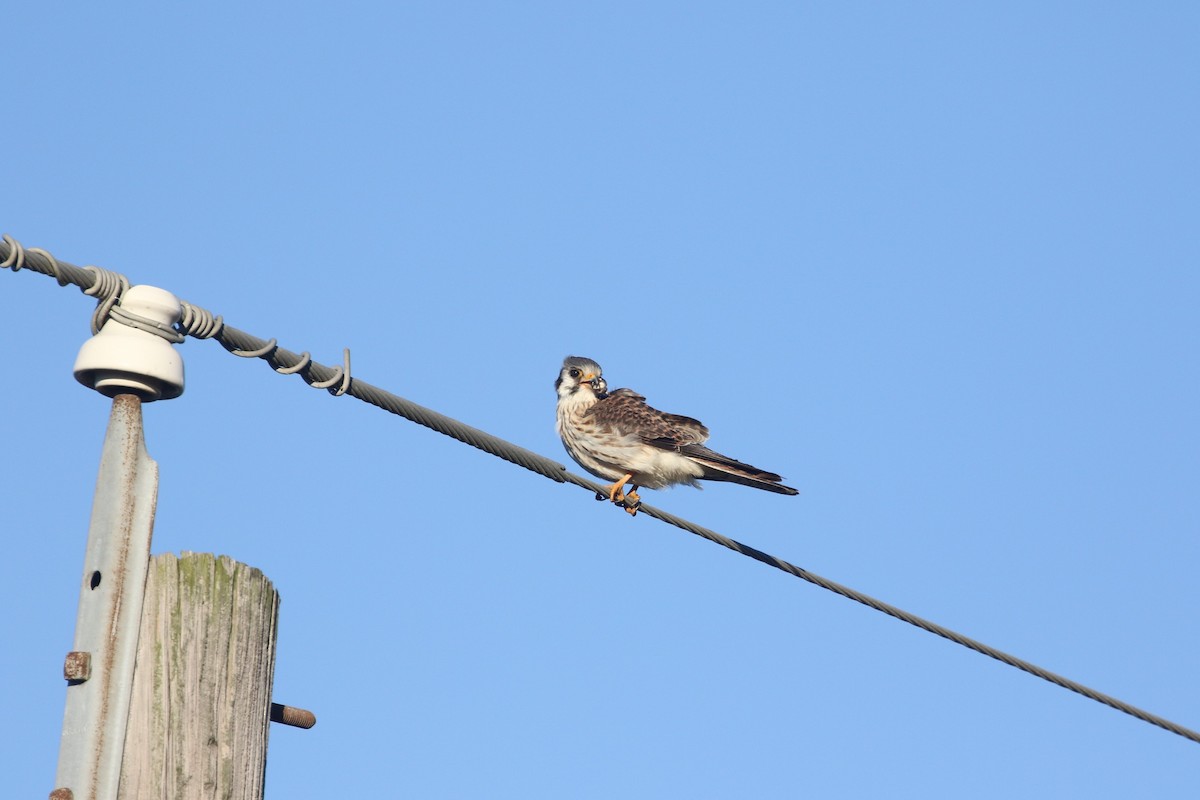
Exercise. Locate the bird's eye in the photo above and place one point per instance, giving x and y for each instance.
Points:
(574, 373)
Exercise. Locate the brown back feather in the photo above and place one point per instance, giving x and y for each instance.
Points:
(625, 411)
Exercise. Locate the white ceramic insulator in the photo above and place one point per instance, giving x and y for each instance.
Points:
(124, 360)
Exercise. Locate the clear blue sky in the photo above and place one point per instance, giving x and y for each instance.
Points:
(935, 263)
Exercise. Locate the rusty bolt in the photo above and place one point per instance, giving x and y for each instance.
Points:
(78, 666)
(296, 717)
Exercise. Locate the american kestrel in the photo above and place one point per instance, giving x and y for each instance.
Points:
(617, 437)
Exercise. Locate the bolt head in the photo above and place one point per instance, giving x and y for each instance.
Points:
(77, 667)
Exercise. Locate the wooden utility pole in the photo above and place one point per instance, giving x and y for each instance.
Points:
(169, 679)
(201, 700)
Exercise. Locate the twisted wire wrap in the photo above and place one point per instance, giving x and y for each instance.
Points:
(262, 352)
(15, 260)
(107, 288)
(118, 314)
(320, 376)
(53, 264)
(198, 322)
(341, 377)
(17, 257)
(305, 360)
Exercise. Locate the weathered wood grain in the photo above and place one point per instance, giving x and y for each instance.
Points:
(198, 719)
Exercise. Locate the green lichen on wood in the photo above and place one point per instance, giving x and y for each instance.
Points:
(209, 626)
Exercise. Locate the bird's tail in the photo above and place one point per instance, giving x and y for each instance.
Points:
(723, 468)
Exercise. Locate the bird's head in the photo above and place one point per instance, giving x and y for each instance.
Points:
(580, 375)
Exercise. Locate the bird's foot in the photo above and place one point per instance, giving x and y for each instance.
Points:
(632, 503)
(615, 495)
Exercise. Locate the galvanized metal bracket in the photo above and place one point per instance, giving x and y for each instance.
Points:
(99, 669)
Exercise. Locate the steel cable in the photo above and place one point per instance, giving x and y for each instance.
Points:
(15, 257)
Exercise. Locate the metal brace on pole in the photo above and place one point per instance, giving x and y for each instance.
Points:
(130, 359)
(99, 670)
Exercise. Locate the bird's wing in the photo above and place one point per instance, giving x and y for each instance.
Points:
(625, 412)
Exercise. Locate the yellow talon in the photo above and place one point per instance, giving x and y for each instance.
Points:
(614, 492)
(632, 502)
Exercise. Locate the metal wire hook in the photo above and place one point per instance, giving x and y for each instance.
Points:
(16, 254)
(305, 360)
(267, 349)
(342, 375)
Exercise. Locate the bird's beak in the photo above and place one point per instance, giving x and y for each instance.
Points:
(593, 379)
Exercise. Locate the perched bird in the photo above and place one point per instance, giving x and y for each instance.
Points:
(617, 437)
